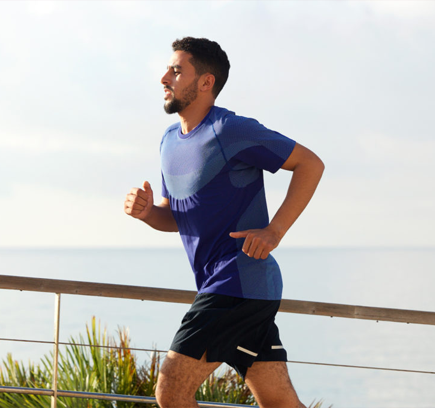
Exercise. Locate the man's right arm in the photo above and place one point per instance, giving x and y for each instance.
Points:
(139, 204)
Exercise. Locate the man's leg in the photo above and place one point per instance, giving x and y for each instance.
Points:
(270, 383)
(179, 378)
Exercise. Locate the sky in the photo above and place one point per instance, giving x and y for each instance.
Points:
(81, 113)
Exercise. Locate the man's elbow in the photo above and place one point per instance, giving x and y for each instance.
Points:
(318, 168)
(314, 163)
(320, 165)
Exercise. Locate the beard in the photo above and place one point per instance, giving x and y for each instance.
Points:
(188, 95)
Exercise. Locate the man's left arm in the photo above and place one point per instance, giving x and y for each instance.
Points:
(307, 170)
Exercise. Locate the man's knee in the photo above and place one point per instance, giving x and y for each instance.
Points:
(179, 378)
(164, 396)
(168, 397)
(171, 394)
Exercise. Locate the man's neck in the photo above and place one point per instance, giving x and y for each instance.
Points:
(192, 116)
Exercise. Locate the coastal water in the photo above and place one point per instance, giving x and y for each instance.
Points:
(394, 278)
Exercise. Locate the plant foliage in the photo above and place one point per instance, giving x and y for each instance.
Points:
(101, 364)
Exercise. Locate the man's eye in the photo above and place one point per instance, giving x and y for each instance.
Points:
(177, 72)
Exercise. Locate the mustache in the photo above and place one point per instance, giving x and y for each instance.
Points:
(169, 88)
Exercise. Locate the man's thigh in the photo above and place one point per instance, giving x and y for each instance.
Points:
(182, 375)
(270, 383)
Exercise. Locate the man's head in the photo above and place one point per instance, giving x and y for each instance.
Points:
(207, 57)
(198, 69)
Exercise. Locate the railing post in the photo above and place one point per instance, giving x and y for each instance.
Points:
(56, 350)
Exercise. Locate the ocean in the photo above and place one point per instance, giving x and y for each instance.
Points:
(393, 277)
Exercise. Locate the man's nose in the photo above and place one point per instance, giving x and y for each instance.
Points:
(165, 78)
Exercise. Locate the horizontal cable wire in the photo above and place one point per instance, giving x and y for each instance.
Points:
(165, 351)
(107, 397)
(402, 370)
(83, 345)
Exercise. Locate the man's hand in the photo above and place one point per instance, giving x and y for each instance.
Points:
(307, 170)
(138, 202)
(259, 243)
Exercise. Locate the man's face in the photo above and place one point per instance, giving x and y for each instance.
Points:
(180, 83)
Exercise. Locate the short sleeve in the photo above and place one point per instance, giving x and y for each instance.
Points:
(254, 144)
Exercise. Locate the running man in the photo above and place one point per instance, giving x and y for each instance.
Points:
(212, 165)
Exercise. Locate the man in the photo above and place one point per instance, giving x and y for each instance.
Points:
(213, 195)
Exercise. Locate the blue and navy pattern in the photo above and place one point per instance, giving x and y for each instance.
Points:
(213, 178)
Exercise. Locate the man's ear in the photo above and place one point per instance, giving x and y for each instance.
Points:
(206, 82)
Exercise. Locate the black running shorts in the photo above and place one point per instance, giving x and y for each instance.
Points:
(232, 330)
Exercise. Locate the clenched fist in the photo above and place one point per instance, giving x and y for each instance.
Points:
(139, 202)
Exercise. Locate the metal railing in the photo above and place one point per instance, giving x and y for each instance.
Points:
(59, 287)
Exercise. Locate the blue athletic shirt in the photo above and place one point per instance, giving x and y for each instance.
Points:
(213, 178)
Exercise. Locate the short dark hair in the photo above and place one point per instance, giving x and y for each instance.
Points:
(207, 57)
